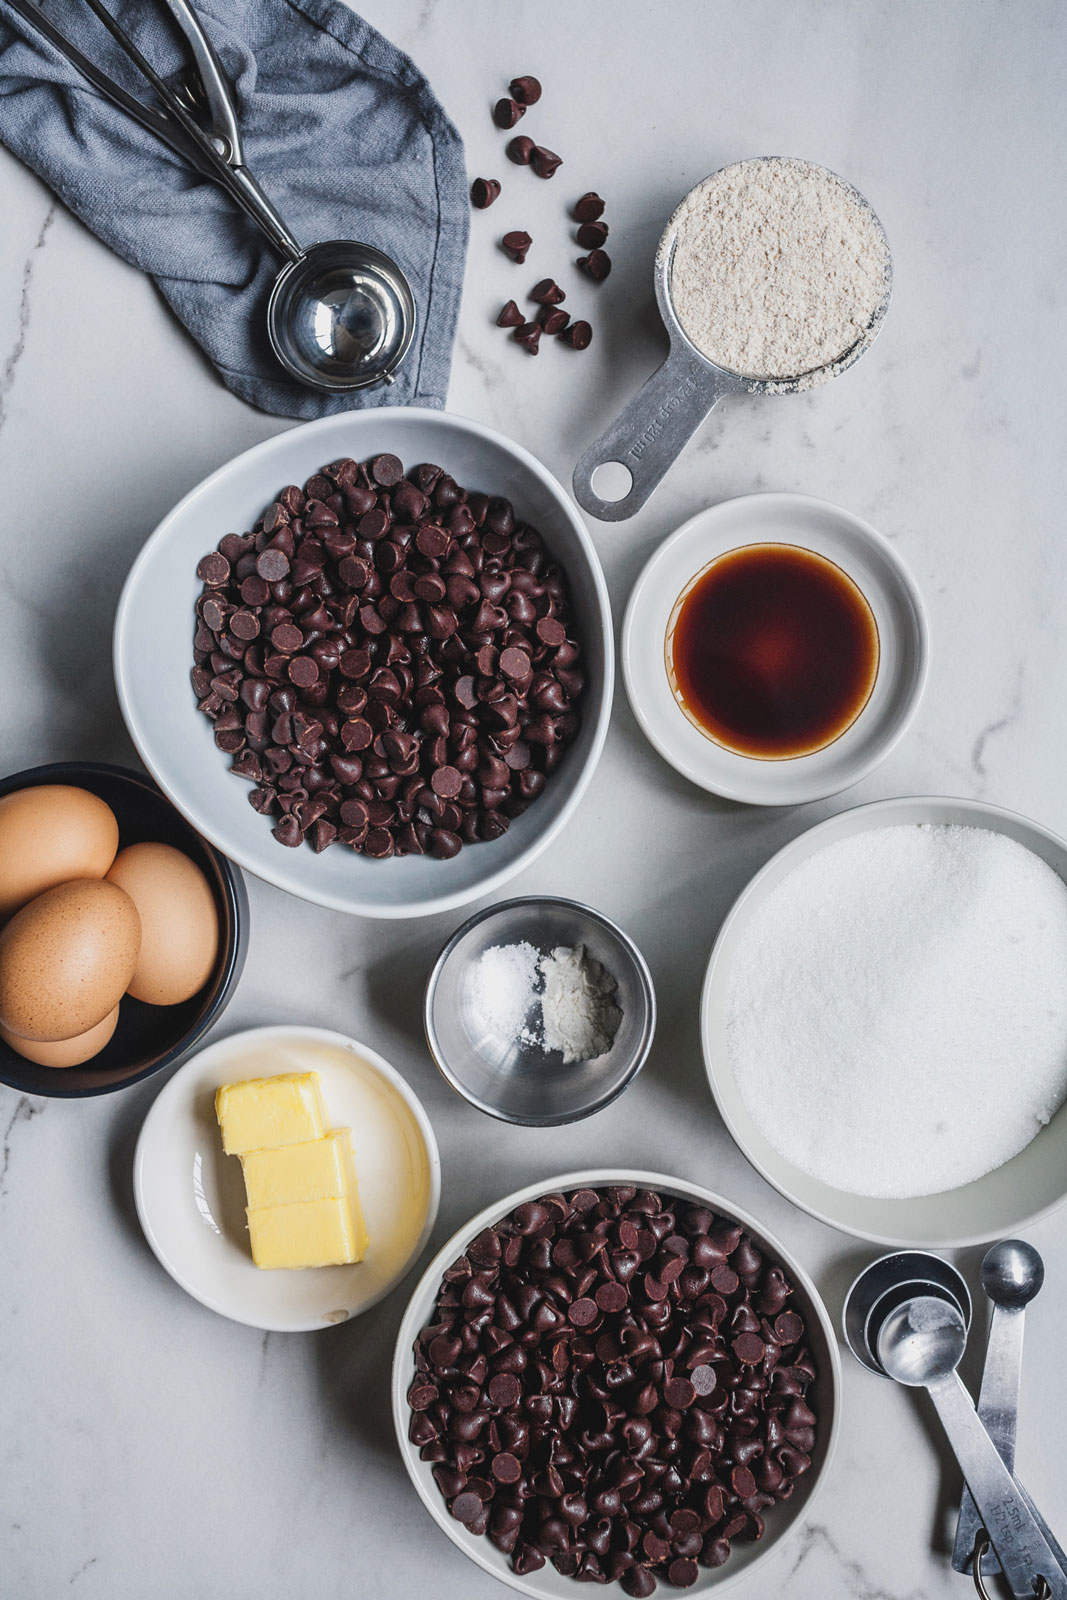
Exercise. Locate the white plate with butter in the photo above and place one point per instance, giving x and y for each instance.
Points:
(191, 1199)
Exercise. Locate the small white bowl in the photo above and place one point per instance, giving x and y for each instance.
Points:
(782, 1520)
(190, 1197)
(1000, 1204)
(153, 654)
(867, 558)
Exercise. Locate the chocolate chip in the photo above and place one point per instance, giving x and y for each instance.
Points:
(527, 91)
(529, 336)
(553, 320)
(507, 112)
(588, 207)
(596, 265)
(547, 292)
(579, 335)
(510, 316)
(387, 470)
(213, 569)
(520, 149)
(516, 244)
(545, 163)
(591, 235)
(483, 192)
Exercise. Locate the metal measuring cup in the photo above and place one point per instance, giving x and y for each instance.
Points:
(666, 411)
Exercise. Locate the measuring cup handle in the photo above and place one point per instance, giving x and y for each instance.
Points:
(651, 433)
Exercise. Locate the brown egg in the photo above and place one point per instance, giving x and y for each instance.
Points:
(179, 924)
(64, 1052)
(50, 835)
(66, 960)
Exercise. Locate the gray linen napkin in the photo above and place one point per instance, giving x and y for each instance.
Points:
(339, 126)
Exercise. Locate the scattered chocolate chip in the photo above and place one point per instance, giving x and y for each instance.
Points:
(588, 207)
(520, 149)
(545, 162)
(510, 316)
(596, 265)
(516, 244)
(527, 91)
(483, 192)
(591, 235)
(547, 292)
(553, 320)
(507, 112)
(529, 336)
(578, 335)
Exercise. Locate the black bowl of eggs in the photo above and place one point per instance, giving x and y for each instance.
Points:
(122, 931)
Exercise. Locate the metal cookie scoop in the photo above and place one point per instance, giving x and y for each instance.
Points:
(341, 314)
(920, 1344)
(669, 407)
(1012, 1274)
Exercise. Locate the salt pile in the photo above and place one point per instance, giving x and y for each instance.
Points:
(897, 1013)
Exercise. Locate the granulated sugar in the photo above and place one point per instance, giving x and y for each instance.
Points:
(504, 989)
(897, 1014)
(779, 269)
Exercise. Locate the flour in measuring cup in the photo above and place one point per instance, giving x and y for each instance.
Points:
(779, 270)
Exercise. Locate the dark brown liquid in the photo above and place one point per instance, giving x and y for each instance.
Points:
(772, 651)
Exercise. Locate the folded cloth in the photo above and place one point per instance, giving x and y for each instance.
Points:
(339, 126)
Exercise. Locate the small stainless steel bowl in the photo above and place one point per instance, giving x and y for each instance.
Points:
(519, 1082)
(887, 1283)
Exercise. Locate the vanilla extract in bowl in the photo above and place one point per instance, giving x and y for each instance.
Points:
(772, 651)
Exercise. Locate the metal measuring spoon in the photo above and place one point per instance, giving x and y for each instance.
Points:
(669, 407)
(341, 314)
(920, 1345)
(1012, 1274)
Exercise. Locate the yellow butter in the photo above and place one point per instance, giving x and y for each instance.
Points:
(312, 1233)
(318, 1169)
(264, 1113)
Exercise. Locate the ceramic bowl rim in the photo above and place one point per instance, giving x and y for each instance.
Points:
(599, 642)
(800, 847)
(429, 1281)
(327, 1036)
(858, 768)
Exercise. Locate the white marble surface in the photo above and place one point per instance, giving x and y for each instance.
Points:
(152, 1451)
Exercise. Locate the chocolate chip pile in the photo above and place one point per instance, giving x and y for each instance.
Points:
(390, 659)
(614, 1384)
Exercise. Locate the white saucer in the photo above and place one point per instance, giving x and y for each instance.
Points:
(190, 1196)
(874, 566)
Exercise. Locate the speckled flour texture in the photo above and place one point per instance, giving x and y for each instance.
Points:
(897, 1014)
(779, 270)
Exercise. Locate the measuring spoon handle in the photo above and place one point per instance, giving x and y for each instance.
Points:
(1021, 1548)
(651, 433)
(998, 1406)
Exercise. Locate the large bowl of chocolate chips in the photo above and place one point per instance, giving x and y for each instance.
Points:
(371, 660)
(618, 1378)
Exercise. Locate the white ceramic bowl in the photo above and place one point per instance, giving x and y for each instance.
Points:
(867, 558)
(190, 1197)
(745, 1559)
(1001, 1204)
(153, 657)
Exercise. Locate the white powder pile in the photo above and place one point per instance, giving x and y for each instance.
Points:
(572, 994)
(504, 989)
(897, 1011)
(779, 269)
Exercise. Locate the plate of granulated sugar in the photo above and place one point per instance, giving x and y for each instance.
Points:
(884, 1021)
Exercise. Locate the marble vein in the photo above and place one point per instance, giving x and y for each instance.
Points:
(10, 367)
